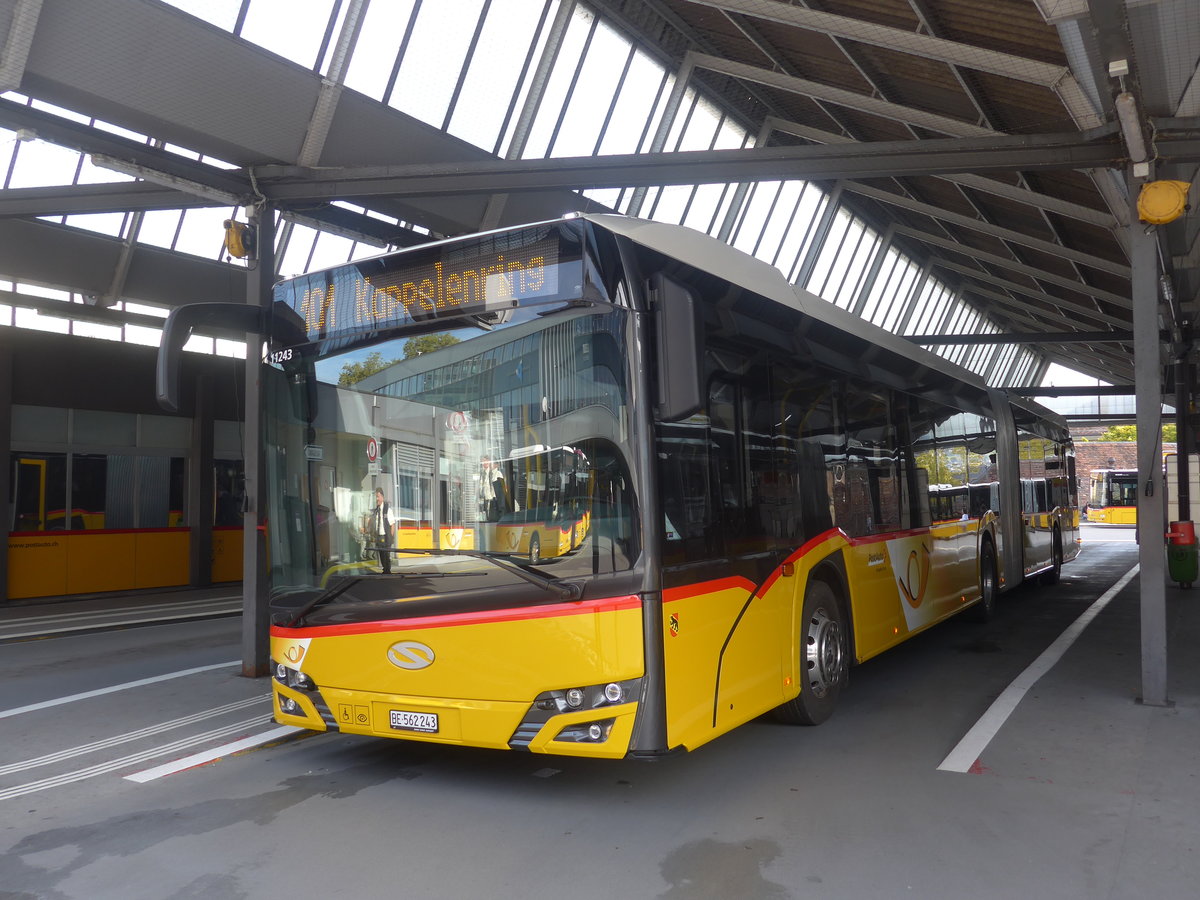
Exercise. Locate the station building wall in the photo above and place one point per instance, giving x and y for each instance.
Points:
(105, 492)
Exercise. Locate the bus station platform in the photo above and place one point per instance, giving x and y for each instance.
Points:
(1076, 790)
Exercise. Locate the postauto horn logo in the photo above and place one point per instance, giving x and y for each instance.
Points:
(410, 655)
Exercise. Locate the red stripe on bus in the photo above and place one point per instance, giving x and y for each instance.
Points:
(483, 617)
(58, 532)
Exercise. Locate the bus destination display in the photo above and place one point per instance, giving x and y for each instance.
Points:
(404, 288)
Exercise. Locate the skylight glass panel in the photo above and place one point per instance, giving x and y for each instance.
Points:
(39, 164)
(706, 203)
(850, 266)
(558, 84)
(137, 334)
(90, 173)
(29, 318)
(897, 291)
(383, 28)
(329, 250)
(202, 232)
(671, 203)
(802, 230)
(593, 94)
(434, 58)
(753, 216)
(97, 330)
(159, 227)
(293, 29)
(294, 259)
(235, 349)
(101, 125)
(112, 224)
(607, 197)
(776, 228)
(883, 285)
(925, 307)
(827, 254)
(494, 71)
(635, 104)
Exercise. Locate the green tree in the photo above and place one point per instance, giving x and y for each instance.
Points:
(1129, 433)
(354, 372)
(427, 343)
(1119, 433)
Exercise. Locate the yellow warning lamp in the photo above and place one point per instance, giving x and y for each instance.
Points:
(239, 238)
(1163, 201)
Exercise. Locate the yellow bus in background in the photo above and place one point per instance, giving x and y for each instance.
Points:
(1112, 498)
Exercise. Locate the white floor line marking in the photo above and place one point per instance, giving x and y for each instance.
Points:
(975, 741)
(198, 759)
(132, 759)
(130, 736)
(121, 610)
(92, 625)
(46, 704)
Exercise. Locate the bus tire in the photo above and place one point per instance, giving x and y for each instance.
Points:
(824, 658)
(1051, 575)
(989, 584)
(535, 549)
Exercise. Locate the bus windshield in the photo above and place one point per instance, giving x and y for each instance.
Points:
(437, 463)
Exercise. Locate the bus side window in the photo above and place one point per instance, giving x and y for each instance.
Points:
(871, 475)
(728, 504)
(803, 406)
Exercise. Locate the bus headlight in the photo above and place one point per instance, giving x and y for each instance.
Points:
(293, 678)
(548, 704)
(594, 696)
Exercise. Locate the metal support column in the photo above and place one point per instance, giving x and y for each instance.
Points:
(200, 487)
(255, 623)
(6, 395)
(1151, 509)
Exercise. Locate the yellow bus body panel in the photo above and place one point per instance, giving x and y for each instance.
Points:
(725, 654)
(905, 584)
(483, 679)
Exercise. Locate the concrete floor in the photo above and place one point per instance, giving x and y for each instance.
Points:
(1081, 793)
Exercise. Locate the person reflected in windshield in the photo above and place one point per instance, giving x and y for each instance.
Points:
(382, 526)
(493, 491)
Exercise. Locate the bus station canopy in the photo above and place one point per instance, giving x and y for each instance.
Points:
(965, 173)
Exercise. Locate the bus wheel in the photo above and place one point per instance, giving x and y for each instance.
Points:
(1051, 575)
(824, 660)
(535, 549)
(988, 584)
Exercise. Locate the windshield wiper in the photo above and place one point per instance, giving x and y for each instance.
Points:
(324, 597)
(338, 589)
(568, 590)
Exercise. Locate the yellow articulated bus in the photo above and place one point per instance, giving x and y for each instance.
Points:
(751, 490)
(1113, 497)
